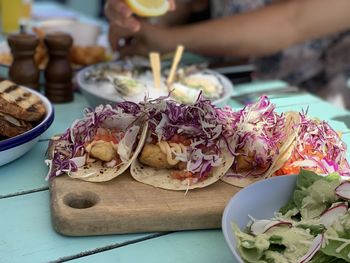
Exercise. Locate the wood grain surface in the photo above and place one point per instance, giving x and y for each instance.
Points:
(124, 205)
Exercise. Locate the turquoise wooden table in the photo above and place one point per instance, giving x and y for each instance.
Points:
(26, 233)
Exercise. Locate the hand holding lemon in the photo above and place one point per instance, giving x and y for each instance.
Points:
(120, 12)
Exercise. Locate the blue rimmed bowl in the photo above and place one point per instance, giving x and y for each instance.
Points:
(15, 147)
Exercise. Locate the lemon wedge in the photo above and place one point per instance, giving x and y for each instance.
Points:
(148, 7)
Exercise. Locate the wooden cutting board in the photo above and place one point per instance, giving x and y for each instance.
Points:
(124, 205)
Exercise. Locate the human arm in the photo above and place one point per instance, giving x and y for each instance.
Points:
(258, 33)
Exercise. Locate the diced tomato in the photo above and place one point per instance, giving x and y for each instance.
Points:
(106, 135)
(181, 174)
(288, 168)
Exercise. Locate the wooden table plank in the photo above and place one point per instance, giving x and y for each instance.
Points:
(185, 247)
(282, 101)
(26, 173)
(27, 234)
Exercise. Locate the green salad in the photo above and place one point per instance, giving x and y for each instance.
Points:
(314, 226)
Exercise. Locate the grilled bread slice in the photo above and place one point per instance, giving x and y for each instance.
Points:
(19, 103)
(10, 126)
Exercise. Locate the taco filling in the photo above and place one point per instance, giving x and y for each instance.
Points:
(317, 148)
(259, 135)
(184, 145)
(99, 146)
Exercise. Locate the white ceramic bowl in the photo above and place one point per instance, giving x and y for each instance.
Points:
(96, 97)
(13, 148)
(83, 34)
(260, 200)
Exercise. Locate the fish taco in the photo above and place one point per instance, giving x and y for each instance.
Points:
(185, 146)
(259, 136)
(101, 145)
(316, 147)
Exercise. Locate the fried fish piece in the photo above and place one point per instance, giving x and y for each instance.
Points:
(20, 103)
(152, 155)
(103, 151)
(10, 126)
(87, 55)
(244, 163)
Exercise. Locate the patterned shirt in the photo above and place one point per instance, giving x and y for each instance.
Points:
(321, 66)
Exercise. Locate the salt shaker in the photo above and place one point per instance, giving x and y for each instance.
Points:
(59, 72)
(23, 69)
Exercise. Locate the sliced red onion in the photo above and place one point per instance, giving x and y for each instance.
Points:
(126, 144)
(79, 161)
(343, 190)
(111, 163)
(333, 213)
(261, 226)
(314, 248)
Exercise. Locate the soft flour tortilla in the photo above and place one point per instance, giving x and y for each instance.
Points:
(285, 152)
(161, 178)
(95, 172)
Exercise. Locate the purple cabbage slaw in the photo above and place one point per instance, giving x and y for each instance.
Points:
(324, 140)
(258, 131)
(203, 123)
(71, 145)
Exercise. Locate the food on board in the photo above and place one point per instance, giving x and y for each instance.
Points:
(148, 7)
(316, 147)
(101, 145)
(188, 146)
(20, 109)
(312, 227)
(185, 147)
(259, 136)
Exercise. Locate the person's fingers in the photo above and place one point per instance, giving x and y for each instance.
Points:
(116, 33)
(130, 23)
(113, 38)
(114, 9)
(123, 9)
(135, 48)
(119, 13)
(172, 5)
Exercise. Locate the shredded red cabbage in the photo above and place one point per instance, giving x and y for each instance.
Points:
(72, 143)
(324, 140)
(258, 130)
(202, 123)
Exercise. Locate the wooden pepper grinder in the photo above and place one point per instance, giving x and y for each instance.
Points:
(59, 72)
(23, 69)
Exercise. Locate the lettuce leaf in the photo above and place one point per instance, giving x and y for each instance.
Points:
(340, 229)
(323, 258)
(288, 206)
(306, 179)
(331, 248)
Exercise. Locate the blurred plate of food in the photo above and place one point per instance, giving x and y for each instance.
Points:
(118, 81)
(85, 50)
